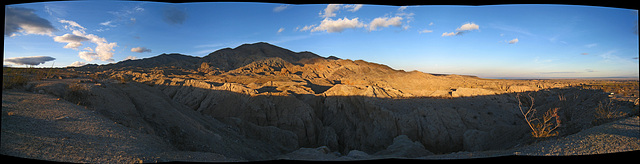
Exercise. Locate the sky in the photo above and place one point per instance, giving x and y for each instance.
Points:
(489, 41)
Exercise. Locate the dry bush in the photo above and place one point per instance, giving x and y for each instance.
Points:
(13, 81)
(77, 94)
(606, 111)
(541, 125)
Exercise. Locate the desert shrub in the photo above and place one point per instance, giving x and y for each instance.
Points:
(77, 94)
(606, 111)
(13, 81)
(541, 125)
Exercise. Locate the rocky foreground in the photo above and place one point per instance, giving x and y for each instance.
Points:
(262, 102)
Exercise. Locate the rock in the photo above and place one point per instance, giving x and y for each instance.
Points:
(357, 154)
(403, 147)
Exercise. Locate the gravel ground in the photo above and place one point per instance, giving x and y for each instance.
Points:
(44, 127)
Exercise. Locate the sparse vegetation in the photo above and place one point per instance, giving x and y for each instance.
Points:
(77, 93)
(606, 111)
(541, 126)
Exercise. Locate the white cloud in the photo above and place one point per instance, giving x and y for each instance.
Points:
(77, 64)
(30, 60)
(330, 10)
(88, 56)
(353, 8)
(108, 23)
(513, 41)
(280, 30)
(23, 20)
(339, 25)
(430, 23)
(468, 27)
(73, 41)
(462, 29)
(384, 22)
(103, 50)
(425, 31)
(450, 34)
(306, 28)
(280, 8)
(140, 49)
(71, 24)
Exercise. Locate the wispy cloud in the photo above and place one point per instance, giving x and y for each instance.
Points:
(280, 30)
(591, 45)
(125, 15)
(513, 41)
(425, 31)
(140, 49)
(402, 8)
(353, 8)
(509, 28)
(280, 8)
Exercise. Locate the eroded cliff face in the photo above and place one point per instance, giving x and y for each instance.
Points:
(346, 115)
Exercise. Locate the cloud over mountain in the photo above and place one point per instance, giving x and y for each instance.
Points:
(30, 60)
(140, 49)
(23, 20)
(77, 64)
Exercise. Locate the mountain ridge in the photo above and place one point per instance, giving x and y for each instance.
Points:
(225, 59)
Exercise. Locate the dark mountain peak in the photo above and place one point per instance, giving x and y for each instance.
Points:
(228, 59)
(173, 56)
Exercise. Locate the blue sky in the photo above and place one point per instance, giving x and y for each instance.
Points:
(533, 41)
